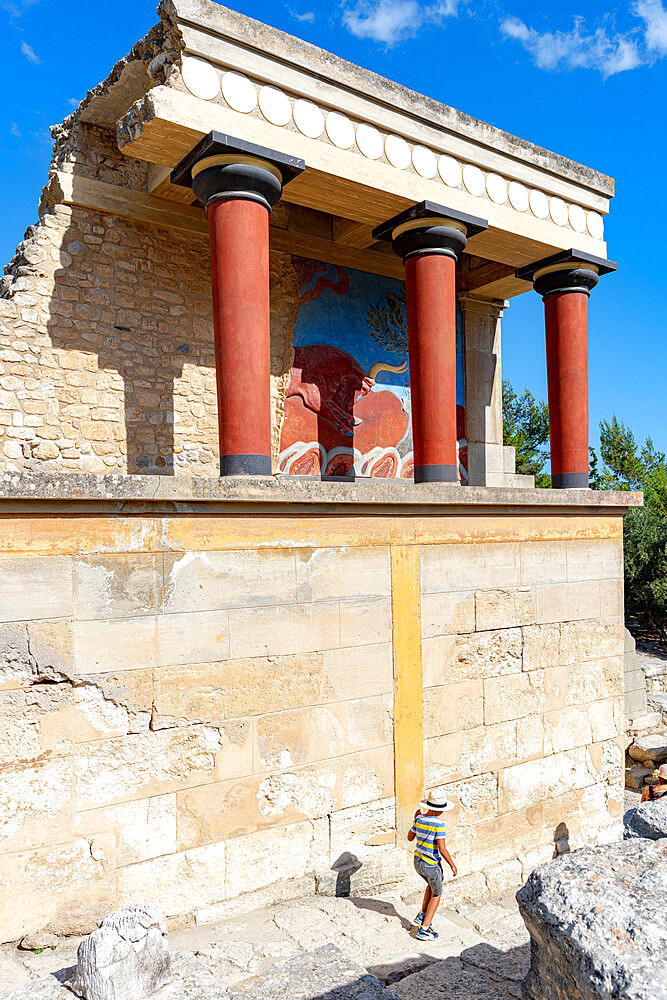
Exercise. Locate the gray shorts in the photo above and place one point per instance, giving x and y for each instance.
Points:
(431, 874)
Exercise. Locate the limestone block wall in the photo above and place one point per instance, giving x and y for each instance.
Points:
(197, 702)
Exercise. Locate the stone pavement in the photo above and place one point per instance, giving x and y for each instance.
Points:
(482, 952)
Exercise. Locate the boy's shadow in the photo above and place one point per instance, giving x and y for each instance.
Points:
(346, 866)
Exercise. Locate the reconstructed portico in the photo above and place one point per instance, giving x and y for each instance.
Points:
(267, 565)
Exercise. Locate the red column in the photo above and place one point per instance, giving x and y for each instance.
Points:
(239, 236)
(431, 305)
(430, 238)
(566, 323)
(239, 183)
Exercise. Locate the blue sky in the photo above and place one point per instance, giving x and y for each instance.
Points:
(586, 80)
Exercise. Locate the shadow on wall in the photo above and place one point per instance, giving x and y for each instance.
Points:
(134, 302)
(561, 840)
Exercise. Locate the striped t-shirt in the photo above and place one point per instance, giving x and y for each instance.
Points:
(428, 829)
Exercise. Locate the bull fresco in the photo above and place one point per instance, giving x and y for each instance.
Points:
(347, 410)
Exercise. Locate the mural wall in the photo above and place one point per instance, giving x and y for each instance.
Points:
(347, 410)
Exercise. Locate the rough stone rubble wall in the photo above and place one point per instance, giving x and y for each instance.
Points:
(106, 342)
(197, 710)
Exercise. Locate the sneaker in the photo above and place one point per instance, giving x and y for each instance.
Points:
(419, 919)
(426, 934)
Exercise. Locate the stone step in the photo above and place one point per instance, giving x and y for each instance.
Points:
(324, 973)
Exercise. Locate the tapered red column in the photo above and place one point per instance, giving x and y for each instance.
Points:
(239, 183)
(430, 238)
(239, 236)
(565, 282)
(430, 281)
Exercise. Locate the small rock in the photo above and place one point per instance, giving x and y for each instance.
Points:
(127, 958)
(634, 776)
(649, 748)
(648, 820)
(38, 941)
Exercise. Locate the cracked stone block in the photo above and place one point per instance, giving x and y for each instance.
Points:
(127, 958)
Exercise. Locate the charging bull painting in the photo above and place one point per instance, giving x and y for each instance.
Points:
(347, 410)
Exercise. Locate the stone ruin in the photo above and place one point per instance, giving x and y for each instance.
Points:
(598, 924)
(648, 820)
(127, 958)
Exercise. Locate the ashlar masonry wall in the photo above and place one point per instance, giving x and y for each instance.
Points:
(197, 707)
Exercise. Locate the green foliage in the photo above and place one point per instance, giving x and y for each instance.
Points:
(526, 427)
(388, 323)
(629, 467)
(645, 547)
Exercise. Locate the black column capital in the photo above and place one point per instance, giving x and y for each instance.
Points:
(221, 167)
(567, 271)
(429, 228)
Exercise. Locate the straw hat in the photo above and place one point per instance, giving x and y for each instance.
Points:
(661, 773)
(436, 800)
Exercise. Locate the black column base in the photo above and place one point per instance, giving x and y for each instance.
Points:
(570, 481)
(245, 465)
(436, 474)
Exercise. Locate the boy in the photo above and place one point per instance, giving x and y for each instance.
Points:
(428, 830)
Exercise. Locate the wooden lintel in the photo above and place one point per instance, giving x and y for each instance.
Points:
(351, 233)
(159, 184)
(479, 277)
(73, 189)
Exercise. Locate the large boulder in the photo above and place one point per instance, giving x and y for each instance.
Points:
(127, 958)
(648, 820)
(653, 748)
(597, 919)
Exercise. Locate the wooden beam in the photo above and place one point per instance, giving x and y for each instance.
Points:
(351, 233)
(73, 189)
(478, 277)
(159, 185)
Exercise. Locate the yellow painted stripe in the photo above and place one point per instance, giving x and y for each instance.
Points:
(408, 685)
(68, 533)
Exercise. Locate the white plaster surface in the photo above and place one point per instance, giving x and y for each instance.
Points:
(308, 118)
(200, 78)
(424, 162)
(558, 211)
(496, 187)
(577, 218)
(369, 141)
(239, 92)
(450, 171)
(340, 130)
(275, 106)
(539, 204)
(473, 179)
(518, 196)
(397, 151)
(595, 224)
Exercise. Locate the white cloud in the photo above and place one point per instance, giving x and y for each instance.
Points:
(654, 16)
(15, 131)
(30, 54)
(390, 21)
(73, 102)
(609, 52)
(16, 7)
(307, 16)
(575, 49)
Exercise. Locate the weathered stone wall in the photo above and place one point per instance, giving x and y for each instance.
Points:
(106, 337)
(197, 706)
